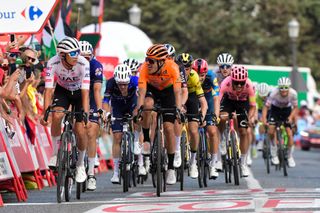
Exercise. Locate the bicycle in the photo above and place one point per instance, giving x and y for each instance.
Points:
(231, 160)
(127, 156)
(282, 138)
(67, 153)
(158, 152)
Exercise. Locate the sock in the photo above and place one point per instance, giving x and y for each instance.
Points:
(136, 136)
(116, 165)
(193, 156)
(55, 144)
(290, 151)
(91, 166)
(81, 156)
(146, 134)
(243, 159)
(214, 157)
(170, 161)
(178, 140)
(140, 160)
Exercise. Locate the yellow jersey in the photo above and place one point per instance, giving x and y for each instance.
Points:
(194, 84)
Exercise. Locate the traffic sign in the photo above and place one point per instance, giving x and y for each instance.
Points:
(25, 16)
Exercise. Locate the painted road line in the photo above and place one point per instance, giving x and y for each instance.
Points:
(252, 183)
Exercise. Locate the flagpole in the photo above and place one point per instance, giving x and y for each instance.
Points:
(52, 34)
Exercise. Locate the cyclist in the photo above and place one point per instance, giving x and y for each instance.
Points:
(211, 93)
(121, 91)
(134, 66)
(72, 88)
(160, 80)
(184, 98)
(262, 94)
(237, 94)
(225, 62)
(96, 70)
(195, 96)
(283, 105)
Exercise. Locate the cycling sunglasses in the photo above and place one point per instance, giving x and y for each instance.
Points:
(224, 66)
(283, 88)
(31, 59)
(74, 54)
(150, 61)
(236, 83)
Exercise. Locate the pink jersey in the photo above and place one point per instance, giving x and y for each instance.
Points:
(247, 93)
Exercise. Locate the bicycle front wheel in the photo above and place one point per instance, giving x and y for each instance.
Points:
(62, 169)
(266, 152)
(124, 163)
(235, 161)
(183, 158)
(159, 165)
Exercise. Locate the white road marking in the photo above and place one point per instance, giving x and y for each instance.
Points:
(252, 183)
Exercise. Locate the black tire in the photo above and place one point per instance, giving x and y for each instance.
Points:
(235, 161)
(183, 154)
(78, 189)
(124, 172)
(68, 183)
(199, 163)
(266, 152)
(62, 172)
(205, 166)
(159, 161)
(281, 152)
(225, 168)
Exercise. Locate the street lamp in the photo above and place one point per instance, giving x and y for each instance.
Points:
(297, 82)
(80, 4)
(135, 15)
(95, 11)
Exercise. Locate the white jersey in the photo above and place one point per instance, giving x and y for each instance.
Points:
(76, 78)
(277, 100)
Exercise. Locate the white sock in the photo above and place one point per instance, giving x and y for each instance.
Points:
(81, 156)
(243, 159)
(55, 144)
(140, 160)
(178, 141)
(193, 157)
(136, 136)
(116, 165)
(290, 151)
(91, 166)
(214, 157)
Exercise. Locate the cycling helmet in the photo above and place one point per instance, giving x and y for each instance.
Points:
(225, 58)
(171, 50)
(263, 89)
(85, 48)
(284, 81)
(67, 45)
(122, 73)
(239, 73)
(185, 59)
(132, 63)
(157, 52)
(200, 65)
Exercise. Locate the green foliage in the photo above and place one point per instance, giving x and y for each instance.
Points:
(253, 31)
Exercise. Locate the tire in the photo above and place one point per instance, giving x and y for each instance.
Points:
(266, 152)
(62, 172)
(78, 189)
(199, 164)
(225, 168)
(159, 165)
(281, 152)
(124, 172)
(68, 187)
(183, 154)
(235, 162)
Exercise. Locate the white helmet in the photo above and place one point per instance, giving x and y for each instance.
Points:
(85, 48)
(263, 89)
(132, 63)
(67, 45)
(284, 81)
(225, 58)
(171, 50)
(122, 73)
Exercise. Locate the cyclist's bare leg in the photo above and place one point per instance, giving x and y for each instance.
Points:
(56, 128)
(148, 104)
(116, 150)
(194, 138)
(82, 141)
(177, 133)
(244, 143)
(93, 133)
(170, 144)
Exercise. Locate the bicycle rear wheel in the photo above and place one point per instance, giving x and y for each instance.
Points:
(62, 172)
(235, 161)
(183, 158)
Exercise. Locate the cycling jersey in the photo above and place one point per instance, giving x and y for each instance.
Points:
(246, 94)
(194, 84)
(210, 84)
(279, 101)
(113, 92)
(182, 75)
(96, 73)
(260, 102)
(76, 78)
(168, 75)
(220, 77)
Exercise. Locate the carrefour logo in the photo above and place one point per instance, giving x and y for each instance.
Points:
(32, 13)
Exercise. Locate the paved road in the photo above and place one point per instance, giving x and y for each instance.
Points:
(260, 192)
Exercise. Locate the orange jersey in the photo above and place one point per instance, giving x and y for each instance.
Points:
(168, 75)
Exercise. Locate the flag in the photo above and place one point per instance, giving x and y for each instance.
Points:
(48, 41)
(59, 33)
(66, 12)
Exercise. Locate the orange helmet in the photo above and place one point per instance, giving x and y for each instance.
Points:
(157, 52)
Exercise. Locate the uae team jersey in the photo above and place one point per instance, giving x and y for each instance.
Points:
(76, 78)
(247, 93)
(277, 100)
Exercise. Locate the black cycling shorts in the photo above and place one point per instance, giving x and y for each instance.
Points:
(165, 97)
(240, 107)
(64, 98)
(192, 106)
(279, 114)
